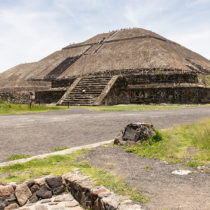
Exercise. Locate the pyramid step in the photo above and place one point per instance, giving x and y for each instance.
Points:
(93, 87)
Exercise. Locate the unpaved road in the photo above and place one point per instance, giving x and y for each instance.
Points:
(39, 133)
(165, 190)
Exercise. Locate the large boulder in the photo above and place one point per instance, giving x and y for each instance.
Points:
(135, 133)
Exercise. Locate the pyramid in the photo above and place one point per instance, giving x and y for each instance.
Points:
(125, 60)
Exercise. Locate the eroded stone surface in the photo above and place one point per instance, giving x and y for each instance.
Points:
(6, 190)
(22, 193)
(60, 202)
(54, 182)
(44, 192)
(12, 206)
(135, 133)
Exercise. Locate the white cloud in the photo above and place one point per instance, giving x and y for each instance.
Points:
(31, 30)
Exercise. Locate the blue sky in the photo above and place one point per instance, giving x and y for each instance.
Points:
(32, 29)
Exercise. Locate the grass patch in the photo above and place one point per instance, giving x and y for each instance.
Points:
(17, 157)
(205, 79)
(59, 149)
(114, 184)
(189, 144)
(60, 164)
(132, 107)
(148, 168)
(8, 108)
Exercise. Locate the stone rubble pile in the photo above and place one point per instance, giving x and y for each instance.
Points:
(78, 192)
(135, 133)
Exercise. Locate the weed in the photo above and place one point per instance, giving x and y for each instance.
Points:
(8, 108)
(59, 149)
(148, 168)
(133, 107)
(17, 156)
(193, 164)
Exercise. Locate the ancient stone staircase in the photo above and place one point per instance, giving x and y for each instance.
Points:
(86, 91)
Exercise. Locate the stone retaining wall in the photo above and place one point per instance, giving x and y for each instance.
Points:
(169, 77)
(48, 96)
(81, 187)
(15, 97)
(162, 94)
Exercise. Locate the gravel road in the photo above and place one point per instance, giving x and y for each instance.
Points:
(165, 190)
(39, 133)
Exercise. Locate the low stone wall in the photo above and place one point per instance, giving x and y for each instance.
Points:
(48, 96)
(167, 94)
(81, 187)
(20, 97)
(169, 77)
(185, 95)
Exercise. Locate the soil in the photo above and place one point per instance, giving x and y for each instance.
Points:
(154, 178)
(38, 133)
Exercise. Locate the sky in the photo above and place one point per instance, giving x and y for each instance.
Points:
(32, 29)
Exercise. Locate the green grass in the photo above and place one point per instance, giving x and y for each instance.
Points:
(8, 108)
(148, 168)
(114, 184)
(59, 149)
(60, 164)
(132, 107)
(189, 144)
(17, 156)
(205, 79)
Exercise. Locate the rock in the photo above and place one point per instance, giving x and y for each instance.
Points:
(30, 183)
(34, 188)
(72, 204)
(58, 190)
(45, 201)
(44, 192)
(11, 199)
(6, 190)
(33, 198)
(201, 168)
(41, 207)
(181, 172)
(111, 201)
(12, 206)
(130, 207)
(40, 181)
(54, 182)
(135, 133)
(22, 193)
(2, 205)
(63, 197)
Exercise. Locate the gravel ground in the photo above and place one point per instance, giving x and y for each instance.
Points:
(154, 178)
(38, 133)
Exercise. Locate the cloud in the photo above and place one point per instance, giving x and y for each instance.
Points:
(31, 30)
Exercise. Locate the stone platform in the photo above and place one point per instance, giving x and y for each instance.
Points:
(60, 202)
(71, 191)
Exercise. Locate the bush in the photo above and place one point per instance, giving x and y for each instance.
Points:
(157, 137)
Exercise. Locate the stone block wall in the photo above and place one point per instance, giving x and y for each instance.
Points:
(15, 97)
(48, 96)
(185, 95)
(28, 193)
(176, 78)
(62, 83)
(176, 94)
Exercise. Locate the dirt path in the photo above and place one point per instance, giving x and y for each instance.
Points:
(166, 190)
(41, 132)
